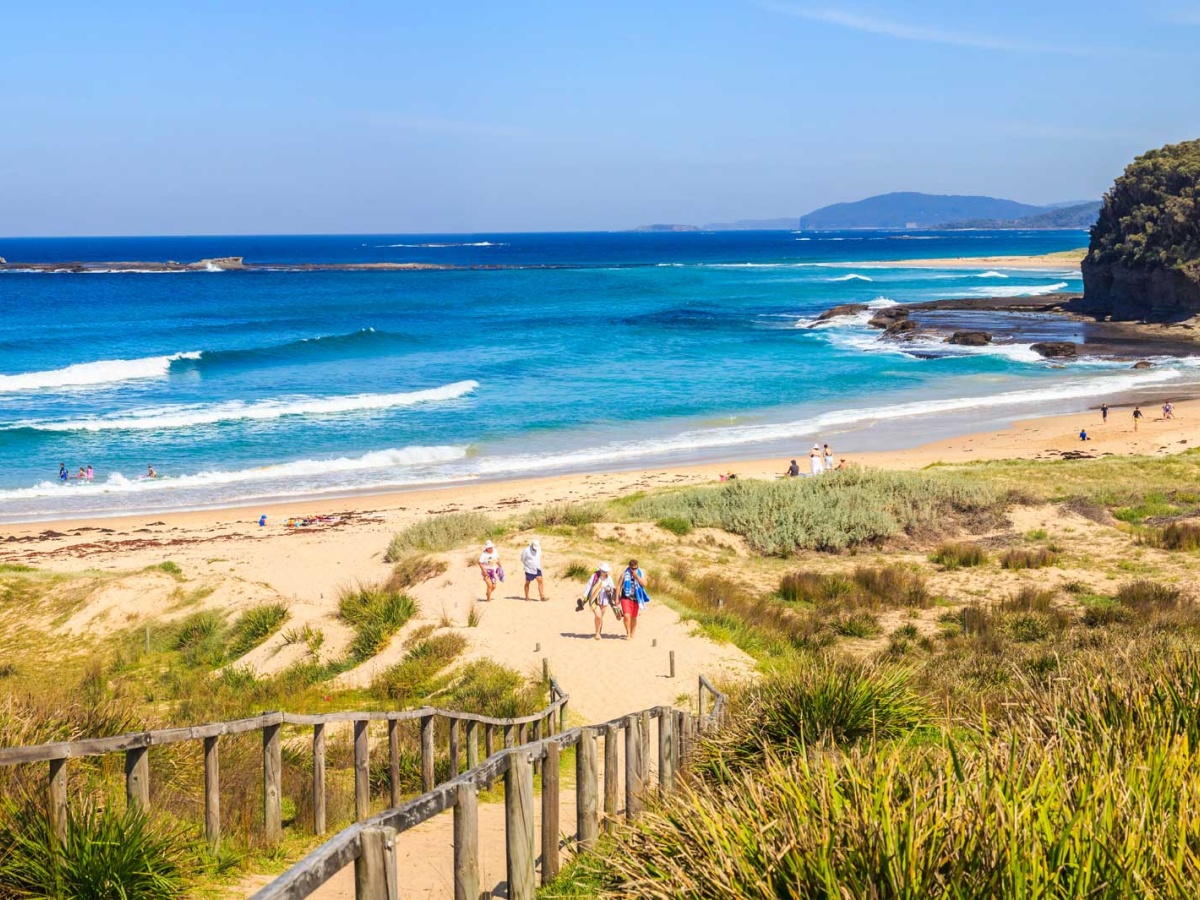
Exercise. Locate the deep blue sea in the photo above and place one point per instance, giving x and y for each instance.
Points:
(554, 353)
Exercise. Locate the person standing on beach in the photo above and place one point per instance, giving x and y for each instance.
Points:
(1104, 413)
(600, 593)
(1168, 410)
(816, 462)
(531, 560)
(828, 458)
(1137, 417)
(633, 597)
(489, 566)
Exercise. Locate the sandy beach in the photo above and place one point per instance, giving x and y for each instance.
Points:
(1067, 259)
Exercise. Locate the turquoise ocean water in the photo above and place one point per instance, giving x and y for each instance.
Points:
(550, 353)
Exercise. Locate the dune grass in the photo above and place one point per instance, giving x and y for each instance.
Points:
(375, 612)
(437, 534)
(835, 512)
(254, 626)
(958, 555)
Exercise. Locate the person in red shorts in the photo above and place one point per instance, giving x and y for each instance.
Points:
(633, 597)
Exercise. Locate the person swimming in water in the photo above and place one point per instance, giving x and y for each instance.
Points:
(150, 473)
(82, 476)
(91, 473)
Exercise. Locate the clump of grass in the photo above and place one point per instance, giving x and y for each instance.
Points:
(558, 514)
(1175, 536)
(857, 625)
(1029, 599)
(111, 851)
(840, 510)
(868, 587)
(199, 637)
(474, 616)
(958, 555)
(1149, 597)
(9, 670)
(676, 525)
(416, 675)
(414, 570)
(1028, 559)
(376, 613)
(169, 567)
(486, 687)
(254, 626)
(15, 567)
(438, 534)
(577, 570)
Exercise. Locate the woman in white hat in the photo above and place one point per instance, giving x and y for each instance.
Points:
(531, 561)
(600, 593)
(816, 460)
(489, 565)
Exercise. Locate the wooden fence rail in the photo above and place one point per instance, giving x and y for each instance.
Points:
(136, 750)
(369, 844)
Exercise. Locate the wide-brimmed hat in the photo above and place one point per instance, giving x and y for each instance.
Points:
(537, 544)
(489, 546)
(604, 567)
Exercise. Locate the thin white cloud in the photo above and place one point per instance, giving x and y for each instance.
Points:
(906, 32)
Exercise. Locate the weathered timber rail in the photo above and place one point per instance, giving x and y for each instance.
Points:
(370, 844)
(136, 747)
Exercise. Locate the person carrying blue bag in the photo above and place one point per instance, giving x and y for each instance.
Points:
(633, 597)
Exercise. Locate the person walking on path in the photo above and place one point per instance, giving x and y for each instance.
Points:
(531, 559)
(1104, 413)
(633, 597)
(599, 594)
(816, 462)
(1137, 417)
(489, 566)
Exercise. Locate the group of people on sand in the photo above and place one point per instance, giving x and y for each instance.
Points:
(626, 597)
(820, 460)
(1168, 412)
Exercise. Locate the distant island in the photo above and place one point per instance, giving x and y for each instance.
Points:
(909, 210)
(1143, 261)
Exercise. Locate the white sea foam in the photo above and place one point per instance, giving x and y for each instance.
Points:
(853, 276)
(283, 472)
(690, 441)
(992, 274)
(105, 371)
(1015, 291)
(163, 417)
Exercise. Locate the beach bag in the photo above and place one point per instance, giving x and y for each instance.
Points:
(640, 595)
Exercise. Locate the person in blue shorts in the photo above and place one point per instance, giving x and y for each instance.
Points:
(531, 559)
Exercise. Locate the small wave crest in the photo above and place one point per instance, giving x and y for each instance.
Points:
(992, 274)
(853, 276)
(1016, 291)
(105, 371)
(190, 416)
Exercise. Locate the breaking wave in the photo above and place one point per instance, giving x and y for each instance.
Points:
(105, 371)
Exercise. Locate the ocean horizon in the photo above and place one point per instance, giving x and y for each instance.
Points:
(539, 354)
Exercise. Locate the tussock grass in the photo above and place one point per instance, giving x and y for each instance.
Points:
(1146, 597)
(1018, 558)
(867, 588)
(676, 525)
(254, 626)
(376, 612)
(415, 569)
(558, 514)
(416, 676)
(1175, 536)
(438, 534)
(835, 512)
(958, 555)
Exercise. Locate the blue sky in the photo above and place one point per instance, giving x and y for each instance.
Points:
(405, 116)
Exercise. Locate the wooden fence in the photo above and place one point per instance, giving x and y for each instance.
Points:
(370, 844)
(136, 748)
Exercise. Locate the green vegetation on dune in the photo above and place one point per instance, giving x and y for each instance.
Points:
(438, 534)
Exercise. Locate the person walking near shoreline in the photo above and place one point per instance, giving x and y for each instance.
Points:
(816, 461)
(531, 560)
(1137, 417)
(489, 566)
(828, 458)
(1104, 413)
(600, 593)
(633, 597)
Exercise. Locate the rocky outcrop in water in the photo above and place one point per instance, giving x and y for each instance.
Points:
(845, 309)
(969, 338)
(1055, 349)
(1143, 261)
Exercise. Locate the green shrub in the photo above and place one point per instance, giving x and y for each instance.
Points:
(839, 510)
(676, 525)
(112, 851)
(488, 688)
(1028, 559)
(375, 613)
(199, 637)
(958, 555)
(438, 534)
(254, 626)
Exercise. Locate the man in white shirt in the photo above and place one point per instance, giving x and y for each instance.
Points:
(531, 559)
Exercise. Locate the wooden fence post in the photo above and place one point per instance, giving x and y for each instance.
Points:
(509, 737)
(587, 807)
(518, 821)
(212, 793)
(700, 697)
(375, 867)
(672, 657)
(472, 744)
(562, 716)
(427, 758)
(454, 748)
(137, 777)
(394, 761)
(644, 749)
(272, 783)
(466, 843)
(489, 742)
(537, 736)
(58, 800)
(680, 739)
(319, 779)
(666, 749)
(633, 768)
(611, 763)
(362, 774)
(550, 814)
